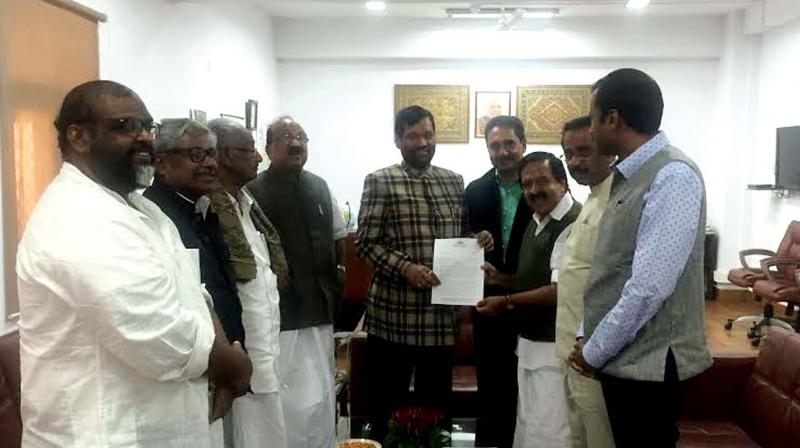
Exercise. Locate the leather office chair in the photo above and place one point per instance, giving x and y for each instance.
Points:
(779, 283)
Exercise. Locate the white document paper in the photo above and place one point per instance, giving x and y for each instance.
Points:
(457, 262)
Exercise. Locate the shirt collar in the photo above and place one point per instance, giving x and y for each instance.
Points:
(72, 171)
(634, 162)
(500, 181)
(243, 201)
(200, 205)
(414, 172)
(604, 184)
(562, 208)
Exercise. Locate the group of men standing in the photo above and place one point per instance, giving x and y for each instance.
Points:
(197, 314)
(593, 315)
(200, 313)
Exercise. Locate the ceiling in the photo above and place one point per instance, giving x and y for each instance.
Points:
(435, 9)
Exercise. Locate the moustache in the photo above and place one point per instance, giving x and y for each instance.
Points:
(295, 151)
(141, 148)
(536, 196)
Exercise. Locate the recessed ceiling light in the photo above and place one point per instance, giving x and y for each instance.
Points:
(376, 6)
(637, 4)
(496, 13)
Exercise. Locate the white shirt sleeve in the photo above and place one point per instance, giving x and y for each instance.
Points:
(558, 253)
(339, 224)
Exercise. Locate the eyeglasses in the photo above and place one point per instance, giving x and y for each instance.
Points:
(131, 126)
(196, 154)
(250, 150)
(580, 153)
(288, 138)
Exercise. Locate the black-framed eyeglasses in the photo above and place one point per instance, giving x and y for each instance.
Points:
(288, 138)
(131, 126)
(251, 150)
(579, 153)
(196, 154)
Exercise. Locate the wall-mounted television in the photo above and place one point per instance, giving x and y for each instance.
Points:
(787, 158)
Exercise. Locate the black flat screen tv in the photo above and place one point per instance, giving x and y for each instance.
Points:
(787, 158)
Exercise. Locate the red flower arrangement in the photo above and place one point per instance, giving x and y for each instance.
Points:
(414, 427)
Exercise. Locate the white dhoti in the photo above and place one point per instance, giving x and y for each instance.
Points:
(542, 413)
(256, 421)
(306, 371)
(216, 434)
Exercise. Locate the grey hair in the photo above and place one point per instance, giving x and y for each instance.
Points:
(172, 129)
(225, 129)
(271, 128)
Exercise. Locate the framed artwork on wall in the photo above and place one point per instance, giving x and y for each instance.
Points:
(449, 105)
(489, 105)
(251, 114)
(198, 115)
(545, 109)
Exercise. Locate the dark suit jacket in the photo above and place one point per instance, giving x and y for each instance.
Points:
(205, 234)
(483, 207)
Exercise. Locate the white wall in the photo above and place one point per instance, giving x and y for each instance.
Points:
(341, 90)
(778, 93)
(347, 108)
(179, 56)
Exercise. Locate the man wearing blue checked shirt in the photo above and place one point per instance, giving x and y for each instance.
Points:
(644, 322)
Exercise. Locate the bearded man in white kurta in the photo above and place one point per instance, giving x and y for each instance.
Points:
(116, 336)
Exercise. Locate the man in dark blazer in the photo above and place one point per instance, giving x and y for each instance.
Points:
(495, 203)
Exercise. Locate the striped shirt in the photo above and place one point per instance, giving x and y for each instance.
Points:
(403, 210)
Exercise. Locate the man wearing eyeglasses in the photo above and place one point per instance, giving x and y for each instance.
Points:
(589, 424)
(185, 172)
(259, 265)
(312, 232)
(116, 337)
(495, 203)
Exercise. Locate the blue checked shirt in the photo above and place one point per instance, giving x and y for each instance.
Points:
(664, 241)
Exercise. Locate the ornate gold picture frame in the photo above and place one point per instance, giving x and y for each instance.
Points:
(545, 109)
(448, 104)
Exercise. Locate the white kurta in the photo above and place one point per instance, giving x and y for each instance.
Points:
(306, 368)
(115, 332)
(256, 420)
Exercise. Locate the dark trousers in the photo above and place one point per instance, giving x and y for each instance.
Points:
(644, 413)
(389, 370)
(496, 365)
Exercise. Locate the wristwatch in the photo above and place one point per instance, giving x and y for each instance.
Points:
(509, 302)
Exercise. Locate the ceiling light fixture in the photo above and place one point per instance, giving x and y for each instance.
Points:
(376, 6)
(496, 13)
(637, 4)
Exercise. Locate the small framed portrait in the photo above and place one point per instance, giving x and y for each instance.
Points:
(489, 105)
(197, 115)
(251, 114)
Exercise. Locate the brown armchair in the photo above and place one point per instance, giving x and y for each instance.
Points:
(746, 402)
(748, 276)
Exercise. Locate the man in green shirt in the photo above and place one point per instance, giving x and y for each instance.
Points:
(495, 203)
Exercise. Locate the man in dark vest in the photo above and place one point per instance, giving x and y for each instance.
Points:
(643, 316)
(495, 203)
(312, 231)
(542, 416)
(186, 169)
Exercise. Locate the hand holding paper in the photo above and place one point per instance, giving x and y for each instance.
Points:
(457, 262)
